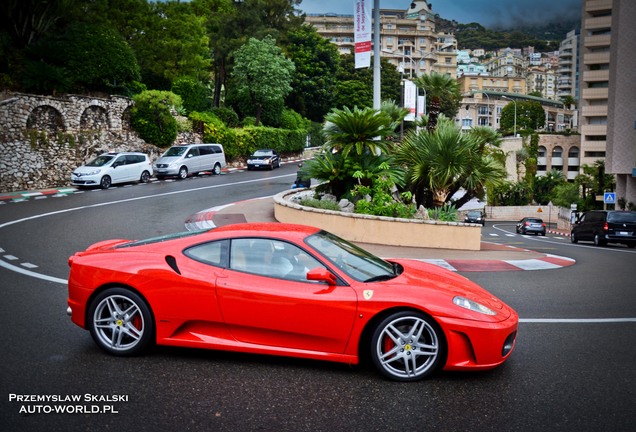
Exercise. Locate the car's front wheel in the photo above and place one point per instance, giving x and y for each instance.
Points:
(105, 182)
(217, 169)
(120, 322)
(407, 346)
(183, 173)
(574, 238)
(145, 177)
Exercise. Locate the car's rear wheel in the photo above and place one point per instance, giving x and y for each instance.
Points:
(574, 238)
(407, 346)
(145, 177)
(120, 322)
(183, 173)
(217, 169)
(598, 241)
(105, 182)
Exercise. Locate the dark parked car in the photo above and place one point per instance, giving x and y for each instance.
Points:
(531, 225)
(606, 226)
(475, 216)
(264, 158)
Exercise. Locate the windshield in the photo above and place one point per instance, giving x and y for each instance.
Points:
(175, 151)
(352, 260)
(262, 153)
(100, 161)
(474, 214)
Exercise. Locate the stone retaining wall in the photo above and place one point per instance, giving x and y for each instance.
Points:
(43, 138)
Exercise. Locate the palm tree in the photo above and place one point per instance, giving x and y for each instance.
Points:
(442, 95)
(356, 143)
(441, 161)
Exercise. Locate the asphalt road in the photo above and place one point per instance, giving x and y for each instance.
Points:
(572, 369)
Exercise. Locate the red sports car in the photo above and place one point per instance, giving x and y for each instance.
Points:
(291, 290)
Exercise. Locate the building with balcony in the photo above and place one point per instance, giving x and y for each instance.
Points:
(508, 63)
(407, 37)
(568, 67)
(541, 80)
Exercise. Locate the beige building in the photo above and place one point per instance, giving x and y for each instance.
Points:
(508, 63)
(608, 90)
(407, 37)
(542, 80)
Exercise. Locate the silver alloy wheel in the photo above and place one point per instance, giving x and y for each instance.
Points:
(183, 173)
(406, 347)
(217, 169)
(119, 323)
(145, 176)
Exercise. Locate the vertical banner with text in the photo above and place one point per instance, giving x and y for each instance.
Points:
(362, 32)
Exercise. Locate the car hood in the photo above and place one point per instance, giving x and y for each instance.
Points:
(260, 157)
(88, 169)
(433, 288)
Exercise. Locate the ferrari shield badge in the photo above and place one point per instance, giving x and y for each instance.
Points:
(367, 294)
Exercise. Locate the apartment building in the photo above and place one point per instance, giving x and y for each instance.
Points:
(568, 66)
(541, 80)
(608, 90)
(407, 36)
(508, 63)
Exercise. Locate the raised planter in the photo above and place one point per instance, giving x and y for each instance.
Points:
(380, 229)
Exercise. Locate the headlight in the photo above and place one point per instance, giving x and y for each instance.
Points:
(473, 306)
(94, 172)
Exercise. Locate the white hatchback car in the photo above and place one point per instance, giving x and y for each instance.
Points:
(111, 168)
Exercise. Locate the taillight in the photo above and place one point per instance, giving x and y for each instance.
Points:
(543, 225)
(527, 223)
(605, 227)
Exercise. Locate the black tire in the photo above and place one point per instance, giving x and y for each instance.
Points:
(598, 241)
(574, 238)
(395, 352)
(145, 177)
(217, 169)
(105, 182)
(183, 173)
(120, 322)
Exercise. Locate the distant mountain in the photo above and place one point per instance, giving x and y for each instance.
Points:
(543, 37)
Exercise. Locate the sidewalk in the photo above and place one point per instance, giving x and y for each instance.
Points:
(491, 257)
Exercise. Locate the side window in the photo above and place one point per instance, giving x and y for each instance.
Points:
(206, 150)
(273, 258)
(193, 152)
(121, 160)
(217, 149)
(214, 253)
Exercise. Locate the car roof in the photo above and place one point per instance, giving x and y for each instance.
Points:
(123, 153)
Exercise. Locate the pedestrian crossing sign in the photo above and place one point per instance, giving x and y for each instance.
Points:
(609, 198)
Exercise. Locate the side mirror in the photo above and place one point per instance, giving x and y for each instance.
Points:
(322, 275)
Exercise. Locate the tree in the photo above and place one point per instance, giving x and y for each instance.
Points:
(357, 84)
(530, 115)
(152, 119)
(442, 96)
(174, 44)
(439, 162)
(262, 74)
(317, 62)
(355, 147)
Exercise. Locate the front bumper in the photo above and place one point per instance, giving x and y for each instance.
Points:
(475, 345)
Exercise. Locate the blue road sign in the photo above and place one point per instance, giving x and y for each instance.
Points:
(609, 198)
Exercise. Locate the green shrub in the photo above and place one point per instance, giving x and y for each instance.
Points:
(446, 213)
(151, 117)
(228, 115)
(194, 94)
(320, 204)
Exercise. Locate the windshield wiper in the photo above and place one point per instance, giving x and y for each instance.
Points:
(380, 278)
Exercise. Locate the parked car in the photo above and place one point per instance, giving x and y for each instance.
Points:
(111, 168)
(531, 225)
(190, 159)
(290, 290)
(606, 226)
(264, 158)
(475, 216)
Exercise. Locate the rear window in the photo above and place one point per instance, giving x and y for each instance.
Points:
(622, 217)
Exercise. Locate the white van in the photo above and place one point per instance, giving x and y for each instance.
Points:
(186, 159)
(111, 168)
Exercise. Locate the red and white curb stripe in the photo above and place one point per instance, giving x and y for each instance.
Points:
(549, 262)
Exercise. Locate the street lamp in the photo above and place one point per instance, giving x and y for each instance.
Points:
(515, 102)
